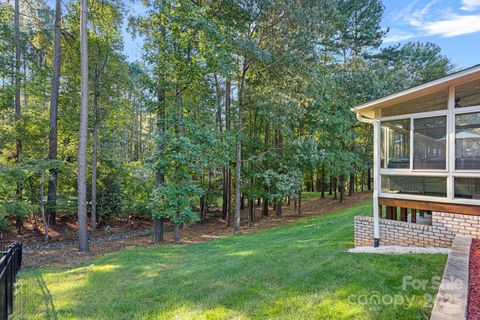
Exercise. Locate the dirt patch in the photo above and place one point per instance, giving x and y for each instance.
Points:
(474, 281)
(135, 232)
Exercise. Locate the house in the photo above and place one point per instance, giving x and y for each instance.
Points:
(426, 163)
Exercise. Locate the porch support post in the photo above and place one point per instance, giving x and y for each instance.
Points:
(376, 174)
(376, 180)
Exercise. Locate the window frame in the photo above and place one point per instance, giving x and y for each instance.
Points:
(412, 117)
(409, 147)
(450, 171)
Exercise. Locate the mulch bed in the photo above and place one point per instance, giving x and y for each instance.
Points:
(474, 282)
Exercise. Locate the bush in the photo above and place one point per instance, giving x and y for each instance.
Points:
(20, 210)
(109, 198)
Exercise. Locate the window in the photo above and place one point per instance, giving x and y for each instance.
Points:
(467, 141)
(431, 102)
(429, 143)
(396, 144)
(415, 185)
(467, 95)
(467, 188)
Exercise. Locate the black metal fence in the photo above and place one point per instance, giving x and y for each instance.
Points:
(10, 263)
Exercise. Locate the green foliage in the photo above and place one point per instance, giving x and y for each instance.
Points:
(185, 155)
(174, 202)
(20, 209)
(301, 65)
(4, 223)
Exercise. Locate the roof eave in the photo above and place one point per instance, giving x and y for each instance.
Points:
(421, 90)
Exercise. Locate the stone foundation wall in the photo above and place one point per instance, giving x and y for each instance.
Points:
(444, 228)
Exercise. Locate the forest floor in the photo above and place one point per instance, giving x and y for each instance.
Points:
(299, 270)
(122, 233)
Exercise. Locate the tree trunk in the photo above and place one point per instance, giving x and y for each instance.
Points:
(177, 233)
(266, 142)
(96, 109)
(226, 206)
(341, 187)
(312, 183)
(53, 133)
(157, 230)
(299, 208)
(242, 201)
(239, 151)
(94, 154)
(362, 181)
(251, 211)
(83, 132)
(42, 209)
(334, 188)
(19, 225)
(218, 95)
(265, 207)
(19, 147)
(202, 209)
(323, 182)
(224, 193)
(25, 80)
(278, 209)
(318, 181)
(351, 187)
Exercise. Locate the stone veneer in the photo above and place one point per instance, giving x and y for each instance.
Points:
(444, 228)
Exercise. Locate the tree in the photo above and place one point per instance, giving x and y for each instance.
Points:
(400, 67)
(82, 141)
(252, 92)
(106, 24)
(17, 90)
(53, 133)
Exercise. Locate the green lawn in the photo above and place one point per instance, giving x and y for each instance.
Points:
(297, 271)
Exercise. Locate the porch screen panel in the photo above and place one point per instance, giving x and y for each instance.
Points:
(467, 188)
(395, 144)
(468, 95)
(467, 141)
(415, 185)
(429, 143)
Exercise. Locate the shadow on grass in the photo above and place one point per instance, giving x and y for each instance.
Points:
(294, 271)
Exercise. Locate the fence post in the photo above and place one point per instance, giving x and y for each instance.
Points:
(3, 288)
(10, 264)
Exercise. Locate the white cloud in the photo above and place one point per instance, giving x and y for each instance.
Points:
(452, 26)
(470, 5)
(431, 20)
(397, 36)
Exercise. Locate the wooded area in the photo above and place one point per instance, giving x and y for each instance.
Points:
(234, 104)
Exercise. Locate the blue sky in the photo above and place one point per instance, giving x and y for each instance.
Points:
(452, 24)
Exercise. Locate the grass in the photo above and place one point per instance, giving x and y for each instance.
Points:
(297, 271)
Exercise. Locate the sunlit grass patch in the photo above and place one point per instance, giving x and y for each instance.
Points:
(297, 271)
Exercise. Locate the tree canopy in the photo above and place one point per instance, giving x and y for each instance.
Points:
(231, 103)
